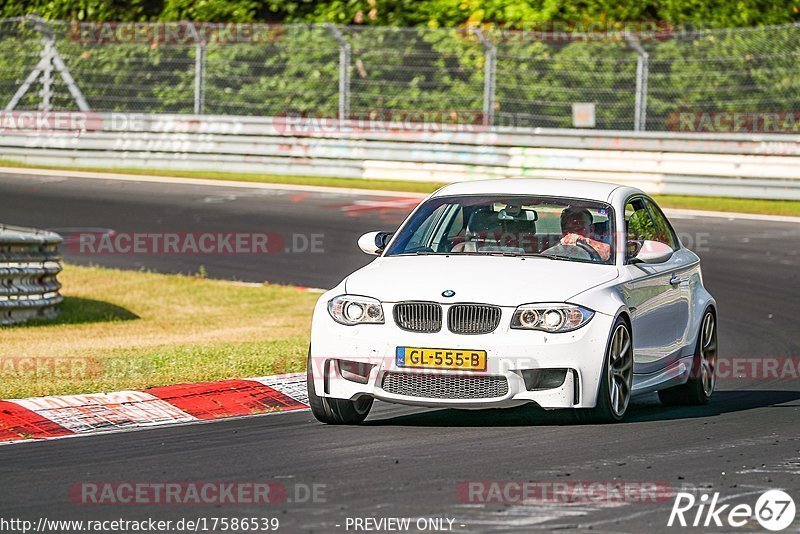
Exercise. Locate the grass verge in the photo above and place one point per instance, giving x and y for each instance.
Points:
(734, 205)
(379, 185)
(133, 330)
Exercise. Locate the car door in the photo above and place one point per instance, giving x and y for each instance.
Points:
(684, 264)
(655, 293)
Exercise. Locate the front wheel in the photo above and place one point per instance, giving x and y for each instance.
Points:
(616, 381)
(703, 379)
(335, 411)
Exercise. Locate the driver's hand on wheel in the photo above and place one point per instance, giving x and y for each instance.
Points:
(602, 249)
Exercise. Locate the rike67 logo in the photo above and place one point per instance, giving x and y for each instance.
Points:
(774, 510)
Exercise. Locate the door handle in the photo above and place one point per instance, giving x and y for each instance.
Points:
(675, 280)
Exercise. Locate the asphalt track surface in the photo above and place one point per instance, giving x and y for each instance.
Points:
(406, 462)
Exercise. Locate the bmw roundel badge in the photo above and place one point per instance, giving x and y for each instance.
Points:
(448, 293)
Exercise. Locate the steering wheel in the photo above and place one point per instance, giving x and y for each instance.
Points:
(582, 249)
(588, 249)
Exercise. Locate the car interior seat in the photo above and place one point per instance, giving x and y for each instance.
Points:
(486, 231)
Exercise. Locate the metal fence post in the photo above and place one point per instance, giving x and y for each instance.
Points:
(344, 72)
(199, 72)
(200, 78)
(642, 74)
(489, 76)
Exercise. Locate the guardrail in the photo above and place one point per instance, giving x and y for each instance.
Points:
(29, 264)
(732, 165)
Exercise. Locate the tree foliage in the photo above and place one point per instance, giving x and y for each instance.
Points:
(431, 13)
(423, 69)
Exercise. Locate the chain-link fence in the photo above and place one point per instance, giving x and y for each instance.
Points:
(716, 80)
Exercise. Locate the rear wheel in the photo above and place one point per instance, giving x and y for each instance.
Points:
(703, 378)
(614, 393)
(335, 411)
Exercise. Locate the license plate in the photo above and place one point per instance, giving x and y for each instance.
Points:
(469, 360)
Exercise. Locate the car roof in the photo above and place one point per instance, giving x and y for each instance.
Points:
(600, 191)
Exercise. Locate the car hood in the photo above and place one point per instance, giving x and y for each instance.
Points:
(504, 281)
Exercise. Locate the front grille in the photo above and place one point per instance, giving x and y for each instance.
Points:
(473, 318)
(418, 316)
(441, 386)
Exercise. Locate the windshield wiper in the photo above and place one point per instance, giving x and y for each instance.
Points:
(416, 253)
(565, 257)
(556, 256)
(497, 253)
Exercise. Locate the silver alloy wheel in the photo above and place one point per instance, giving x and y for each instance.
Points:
(620, 370)
(708, 354)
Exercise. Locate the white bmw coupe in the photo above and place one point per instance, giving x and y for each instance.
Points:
(496, 293)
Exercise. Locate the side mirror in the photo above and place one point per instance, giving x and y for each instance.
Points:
(374, 242)
(652, 252)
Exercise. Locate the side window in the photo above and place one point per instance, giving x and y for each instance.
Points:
(638, 224)
(663, 231)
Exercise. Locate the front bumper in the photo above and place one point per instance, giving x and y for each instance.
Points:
(509, 352)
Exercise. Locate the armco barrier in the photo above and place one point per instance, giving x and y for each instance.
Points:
(29, 264)
(733, 165)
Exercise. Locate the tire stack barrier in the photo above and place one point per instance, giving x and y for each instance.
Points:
(29, 266)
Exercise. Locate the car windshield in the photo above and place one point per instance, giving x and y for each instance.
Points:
(551, 227)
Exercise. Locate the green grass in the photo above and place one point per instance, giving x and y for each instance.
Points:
(736, 205)
(134, 330)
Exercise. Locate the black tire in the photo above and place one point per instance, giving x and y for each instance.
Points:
(335, 411)
(702, 379)
(607, 410)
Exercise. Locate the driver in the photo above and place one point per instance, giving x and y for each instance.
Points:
(576, 225)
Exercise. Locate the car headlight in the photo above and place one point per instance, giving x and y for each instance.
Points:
(353, 309)
(550, 317)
